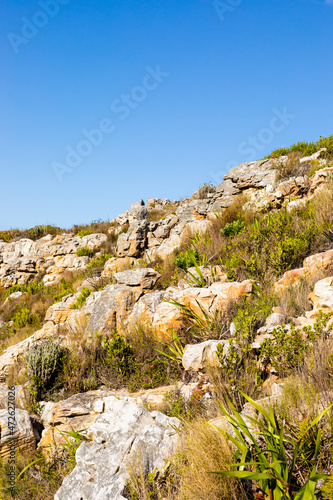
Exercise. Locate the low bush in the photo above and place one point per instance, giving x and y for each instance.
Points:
(233, 229)
(203, 191)
(22, 317)
(42, 361)
(306, 148)
(31, 288)
(84, 232)
(287, 350)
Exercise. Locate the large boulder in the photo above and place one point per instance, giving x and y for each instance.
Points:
(144, 309)
(125, 436)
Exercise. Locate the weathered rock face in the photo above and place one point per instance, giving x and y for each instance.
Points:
(137, 212)
(111, 308)
(10, 356)
(134, 242)
(257, 174)
(124, 432)
(290, 278)
(23, 437)
(21, 261)
(115, 265)
(197, 357)
(144, 309)
(319, 260)
(145, 278)
(168, 316)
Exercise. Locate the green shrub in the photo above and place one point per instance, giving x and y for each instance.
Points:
(270, 246)
(81, 298)
(287, 350)
(6, 236)
(119, 355)
(84, 232)
(84, 252)
(22, 317)
(31, 288)
(233, 228)
(306, 148)
(42, 362)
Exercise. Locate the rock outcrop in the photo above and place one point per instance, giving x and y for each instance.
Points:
(125, 436)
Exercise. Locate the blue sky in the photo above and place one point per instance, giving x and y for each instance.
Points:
(180, 92)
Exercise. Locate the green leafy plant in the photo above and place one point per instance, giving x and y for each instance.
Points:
(269, 464)
(99, 261)
(233, 229)
(175, 348)
(65, 289)
(184, 260)
(21, 318)
(73, 439)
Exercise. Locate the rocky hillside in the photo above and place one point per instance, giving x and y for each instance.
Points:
(120, 340)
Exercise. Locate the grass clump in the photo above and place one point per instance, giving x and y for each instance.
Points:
(84, 252)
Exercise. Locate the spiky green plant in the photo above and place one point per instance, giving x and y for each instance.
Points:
(270, 465)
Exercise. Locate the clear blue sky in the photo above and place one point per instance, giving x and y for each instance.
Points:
(223, 73)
